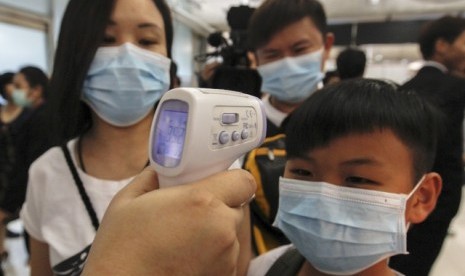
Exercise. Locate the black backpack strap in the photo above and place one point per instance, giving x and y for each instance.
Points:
(288, 264)
(82, 192)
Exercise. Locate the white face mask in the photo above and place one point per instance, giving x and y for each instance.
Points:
(342, 230)
(124, 83)
(292, 79)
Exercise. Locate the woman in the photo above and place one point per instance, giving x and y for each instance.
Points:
(12, 117)
(25, 92)
(112, 66)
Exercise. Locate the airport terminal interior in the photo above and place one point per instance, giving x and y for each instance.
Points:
(384, 29)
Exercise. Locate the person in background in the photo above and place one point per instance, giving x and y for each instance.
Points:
(358, 174)
(12, 118)
(442, 44)
(28, 91)
(351, 63)
(104, 89)
(290, 52)
(331, 77)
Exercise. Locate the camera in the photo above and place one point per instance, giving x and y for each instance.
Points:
(234, 73)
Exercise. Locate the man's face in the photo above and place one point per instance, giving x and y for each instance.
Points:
(372, 161)
(454, 54)
(299, 38)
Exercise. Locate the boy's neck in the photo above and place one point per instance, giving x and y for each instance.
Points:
(379, 269)
(283, 106)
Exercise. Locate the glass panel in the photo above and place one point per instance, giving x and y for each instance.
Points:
(37, 6)
(20, 46)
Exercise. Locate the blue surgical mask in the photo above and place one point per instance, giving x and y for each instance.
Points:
(124, 83)
(292, 79)
(20, 98)
(342, 230)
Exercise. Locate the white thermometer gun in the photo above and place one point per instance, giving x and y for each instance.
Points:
(197, 132)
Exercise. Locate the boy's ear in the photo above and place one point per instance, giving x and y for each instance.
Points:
(423, 201)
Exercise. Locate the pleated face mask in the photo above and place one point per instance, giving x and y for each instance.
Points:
(342, 230)
(124, 83)
(292, 79)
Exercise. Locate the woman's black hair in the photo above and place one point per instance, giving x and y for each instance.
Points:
(274, 15)
(36, 77)
(363, 106)
(5, 79)
(82, 31)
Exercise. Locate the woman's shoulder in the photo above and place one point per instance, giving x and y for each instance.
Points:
(52, 158)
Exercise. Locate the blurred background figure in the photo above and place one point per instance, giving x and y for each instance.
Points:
(12, 119)
(442, 44)
(22, 138)
(351, 63)
(331, 77)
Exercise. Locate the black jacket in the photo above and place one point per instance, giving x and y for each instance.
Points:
(447, 93)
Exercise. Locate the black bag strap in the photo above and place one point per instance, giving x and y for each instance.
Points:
(82, 192)
(288, 264)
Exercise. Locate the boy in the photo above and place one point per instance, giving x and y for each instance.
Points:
(357, 175)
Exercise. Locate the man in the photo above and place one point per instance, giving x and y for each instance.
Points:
(351, 63)
(442, 44)
(290, 52)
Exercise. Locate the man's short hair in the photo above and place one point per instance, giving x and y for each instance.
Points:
(362, 106)
(447, 28)
(274, 15)
(351, 63)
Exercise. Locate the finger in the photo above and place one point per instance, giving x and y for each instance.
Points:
(233, 187)
(145, 182)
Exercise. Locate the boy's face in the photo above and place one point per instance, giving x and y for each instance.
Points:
(299, 38)
(372, 161)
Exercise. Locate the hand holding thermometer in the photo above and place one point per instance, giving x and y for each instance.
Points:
(197, 132)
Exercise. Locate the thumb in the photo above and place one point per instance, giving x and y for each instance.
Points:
(145, 182)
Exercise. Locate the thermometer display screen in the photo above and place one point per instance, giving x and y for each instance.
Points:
(170, 136)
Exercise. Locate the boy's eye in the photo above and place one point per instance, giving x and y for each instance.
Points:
(147, 42)
(356, 180)
(301, 172)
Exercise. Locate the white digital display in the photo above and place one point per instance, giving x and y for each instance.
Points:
(171, 132)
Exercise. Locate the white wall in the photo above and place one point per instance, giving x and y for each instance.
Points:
(20, 46)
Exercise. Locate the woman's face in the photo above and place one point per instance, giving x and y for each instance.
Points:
(138, 22)
(9, 88)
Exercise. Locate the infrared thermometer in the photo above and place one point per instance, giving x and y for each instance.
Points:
(197, 132)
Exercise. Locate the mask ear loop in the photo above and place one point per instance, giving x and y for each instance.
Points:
(416, 187)
(407, 226)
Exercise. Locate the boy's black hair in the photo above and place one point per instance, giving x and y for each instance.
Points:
(363, 106)
(274, 15)
(351, 63)
(446, 27)
(36, 77)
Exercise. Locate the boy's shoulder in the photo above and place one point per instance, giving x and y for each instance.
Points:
(260, 265)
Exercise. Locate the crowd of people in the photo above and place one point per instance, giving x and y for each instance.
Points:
(372, 179)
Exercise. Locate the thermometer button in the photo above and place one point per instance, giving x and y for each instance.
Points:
(235, 136)
(245, 134)
(224, 137)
